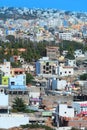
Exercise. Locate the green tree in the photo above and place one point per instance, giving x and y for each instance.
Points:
(29, 78)
(19, 105)
(83, 77)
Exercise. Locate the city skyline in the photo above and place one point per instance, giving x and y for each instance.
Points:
(70, 5)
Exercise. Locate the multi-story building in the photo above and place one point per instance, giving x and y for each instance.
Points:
(17, 71)
(80, 107)
(5, 68)
(18, 88)
(65, 71)
(44, 66)
(52, 52)
(65, 36)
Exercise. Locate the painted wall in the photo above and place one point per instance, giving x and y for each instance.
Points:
(5, 80)
(17, 82)
(8, 121)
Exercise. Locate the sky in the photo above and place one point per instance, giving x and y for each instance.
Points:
(70, 5)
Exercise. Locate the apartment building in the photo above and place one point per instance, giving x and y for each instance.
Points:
(52, 52)
(45, 66)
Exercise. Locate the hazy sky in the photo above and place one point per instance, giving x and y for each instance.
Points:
(77, 5)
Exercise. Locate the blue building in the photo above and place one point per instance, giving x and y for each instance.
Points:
(17, 82)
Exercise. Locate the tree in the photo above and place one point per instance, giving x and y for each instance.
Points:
(29, 78)
(83, 77)
(19, 105)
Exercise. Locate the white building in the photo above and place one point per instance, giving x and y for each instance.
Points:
(71, 63)
(13, 120)
(80, 107)
(34, 94)
(57, 84)
(3, 102)
(5, 68)
(78, 53)
(66, 111)
(65, 36)
(65, 71)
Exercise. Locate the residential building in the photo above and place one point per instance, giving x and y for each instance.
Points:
(65, 71)
(17, 71)
(78, 53)
(71, 62)
(80, 107)
(44, 66)
(5, 68)
(18, 88)
(17, 82)
(34, 96)
(52, 52)
(4, 102)
(57, 84)
(65, 36)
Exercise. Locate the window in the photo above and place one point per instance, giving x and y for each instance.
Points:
(12, 83)
(47, 64)
(65, 72)
(44, 67)
(69, 71)
(4, 80)
(60, 73)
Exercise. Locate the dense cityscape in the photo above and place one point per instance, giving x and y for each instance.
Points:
(43, 69)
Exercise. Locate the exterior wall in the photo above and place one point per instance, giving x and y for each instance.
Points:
(64, 111)
(3, 100)
(34, 94)
(5, 80)
(65, 36)
(78, 53)
(71, 63)
(65, 71)
(58, 84)
(17, 71)
(46, 66)
(18, 81)
(53, 52)
(80, 107)
(8, 121)
(5, 68)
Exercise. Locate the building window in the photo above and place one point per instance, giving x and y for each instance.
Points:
(47, 68)
(12, 83)
(47, 64)
(69, 71)
(44, 67)
(4, 80)
(65, 72)
(60, 73)
(43, 72)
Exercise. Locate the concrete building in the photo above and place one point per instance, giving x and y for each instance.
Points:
(18, 88)
(44, 66)
(17, 82)
(78, 53)
(80, 107)
(5, 68)
(65, 71)
(71, 63)
(57, 84)
(65, 36)
(8, 121)
(52, 52)
(34, 96)
(3, 102)
(17, 71)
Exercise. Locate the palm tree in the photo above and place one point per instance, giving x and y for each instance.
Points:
(19, 105)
